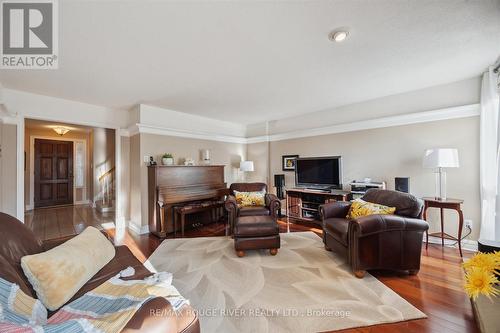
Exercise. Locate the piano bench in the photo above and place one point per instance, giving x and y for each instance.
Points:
(192, 208)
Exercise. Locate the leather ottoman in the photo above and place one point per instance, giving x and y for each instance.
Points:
(256, 233)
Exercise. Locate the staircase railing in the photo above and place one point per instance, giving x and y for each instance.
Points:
(106, 183)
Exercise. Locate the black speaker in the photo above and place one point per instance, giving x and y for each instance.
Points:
(402, 184)
(279, 180)
(279, 183)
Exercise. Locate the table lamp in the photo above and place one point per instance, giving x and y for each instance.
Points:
(438, 159)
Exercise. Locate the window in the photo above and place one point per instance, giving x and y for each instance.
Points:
(80, 164)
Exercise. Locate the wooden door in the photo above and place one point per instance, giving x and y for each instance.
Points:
(53, 173)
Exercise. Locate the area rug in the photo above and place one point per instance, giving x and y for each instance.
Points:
(304, 288)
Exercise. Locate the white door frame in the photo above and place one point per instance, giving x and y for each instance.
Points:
(120, 212)
(20, 168)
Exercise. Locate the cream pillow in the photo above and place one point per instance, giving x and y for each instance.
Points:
(56, 275)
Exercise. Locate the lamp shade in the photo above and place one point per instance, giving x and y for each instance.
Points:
(246, 166)
(441, 158)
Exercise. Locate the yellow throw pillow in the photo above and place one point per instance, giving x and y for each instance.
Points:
(361, 208)
(57, 274)
(249, 199)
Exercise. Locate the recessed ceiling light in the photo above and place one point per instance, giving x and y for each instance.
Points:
(338, 36)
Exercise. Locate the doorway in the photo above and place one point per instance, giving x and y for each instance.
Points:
(53, 173)
(70, 177)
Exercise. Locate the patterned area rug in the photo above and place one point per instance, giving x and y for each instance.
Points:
(302, 289)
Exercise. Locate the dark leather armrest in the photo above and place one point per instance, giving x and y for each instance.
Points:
(155, 316)
(373, 224)
(52, 243)
(337, 209)
(273, 203)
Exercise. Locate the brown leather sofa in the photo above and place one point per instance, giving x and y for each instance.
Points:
(272, 207)
(18, 241)
(392, 242)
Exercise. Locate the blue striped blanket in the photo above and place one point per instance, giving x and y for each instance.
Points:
(105, 309)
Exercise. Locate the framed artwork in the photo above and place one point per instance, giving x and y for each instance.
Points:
(288, 162)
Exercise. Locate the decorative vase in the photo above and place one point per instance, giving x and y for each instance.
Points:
(167, 161)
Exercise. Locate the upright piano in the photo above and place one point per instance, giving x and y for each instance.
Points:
(170, 186)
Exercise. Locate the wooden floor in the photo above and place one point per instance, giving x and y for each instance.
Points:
(436, 290)
(57, 222)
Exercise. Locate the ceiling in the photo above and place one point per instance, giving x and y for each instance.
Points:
(251, 61)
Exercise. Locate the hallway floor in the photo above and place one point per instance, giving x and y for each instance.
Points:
(56, 222)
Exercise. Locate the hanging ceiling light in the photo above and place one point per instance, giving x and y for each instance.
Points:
(61, 130)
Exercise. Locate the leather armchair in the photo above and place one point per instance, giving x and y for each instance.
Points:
(271, 208)
(391, 242)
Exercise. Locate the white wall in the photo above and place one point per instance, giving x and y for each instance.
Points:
(222, 153)
(450, 95)
(182, 122)
(163, 130)
(42, 107)
(382, 154)
(8, 167)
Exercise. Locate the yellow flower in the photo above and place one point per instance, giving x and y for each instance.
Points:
(496, 255)
(486, 261)
(480, 281)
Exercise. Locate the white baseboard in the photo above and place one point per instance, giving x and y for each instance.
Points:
(140, 230)
(467, 244)
(28, 207)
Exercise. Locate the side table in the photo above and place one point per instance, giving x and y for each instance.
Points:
(455, 204)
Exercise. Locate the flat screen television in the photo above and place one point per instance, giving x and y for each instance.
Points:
(319, 172)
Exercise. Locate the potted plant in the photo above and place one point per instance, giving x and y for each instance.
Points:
(167, 159)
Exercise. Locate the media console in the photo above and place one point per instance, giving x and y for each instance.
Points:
(303, 204)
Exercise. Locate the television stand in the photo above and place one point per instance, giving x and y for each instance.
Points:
(303, 204)
(320, 190)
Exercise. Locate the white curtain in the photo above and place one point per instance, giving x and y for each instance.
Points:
(489, 154)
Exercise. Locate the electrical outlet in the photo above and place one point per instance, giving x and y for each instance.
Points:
(468, 224)
(145, 159)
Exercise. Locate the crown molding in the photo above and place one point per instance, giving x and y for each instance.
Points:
(456, 112)
(149, 129)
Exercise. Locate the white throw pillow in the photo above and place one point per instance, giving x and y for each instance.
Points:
(56, 275)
